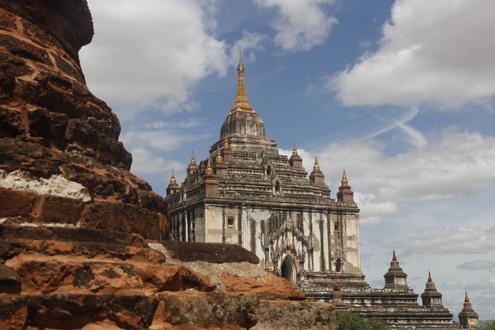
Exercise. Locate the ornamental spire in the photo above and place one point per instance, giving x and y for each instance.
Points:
(193, 158)
(294, 150)
(173, 180)
(316, 165)
(241, 97)
(344, 181)
(209, 169)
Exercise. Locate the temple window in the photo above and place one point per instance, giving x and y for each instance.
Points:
(277, 187)
(338, 266)
(230, 221)
(268, 170)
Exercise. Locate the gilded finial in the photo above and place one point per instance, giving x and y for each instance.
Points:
(240, 66)
(241, 97)
(193, 157)
(294, 150)
(316, 166)
(209, 169)
(173, 180)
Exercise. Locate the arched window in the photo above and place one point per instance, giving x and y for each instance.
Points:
(277, 187)
(268, 170)
(338, 265)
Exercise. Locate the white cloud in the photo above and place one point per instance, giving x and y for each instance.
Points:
(452, 163)
(301, 24)
(374, 211)
(151, 53)
(145, 162)
(448, 239)
(448, 165)
(163, 140)
(180, 124)
(248, 43)
(478, 264)
(151, 146)
(431, 52)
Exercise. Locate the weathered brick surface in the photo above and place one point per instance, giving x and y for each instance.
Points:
(15, 203)
(51, 124)
(54, 209)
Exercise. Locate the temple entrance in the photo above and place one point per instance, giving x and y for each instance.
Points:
(288, 269)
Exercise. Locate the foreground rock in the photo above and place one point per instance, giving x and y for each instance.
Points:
(60, 158)
(71, 278)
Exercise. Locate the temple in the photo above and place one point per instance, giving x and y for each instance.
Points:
(249, 194)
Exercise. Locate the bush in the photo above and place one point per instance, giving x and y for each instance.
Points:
(349, 321)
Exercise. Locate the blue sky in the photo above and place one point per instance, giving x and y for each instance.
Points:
(400, 93)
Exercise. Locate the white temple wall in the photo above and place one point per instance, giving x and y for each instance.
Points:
(352, 251)
(213, 224)
(235, 225)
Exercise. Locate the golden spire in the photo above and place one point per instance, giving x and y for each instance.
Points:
(209, 169)
(193, 158)
(241, 97)
(294, 150)
(344, 181)
(173, 180)
(316, 166)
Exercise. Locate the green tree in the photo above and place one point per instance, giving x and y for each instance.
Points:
(349, 321)
(488, 326)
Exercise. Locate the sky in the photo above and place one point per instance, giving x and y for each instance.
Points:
(399, 93)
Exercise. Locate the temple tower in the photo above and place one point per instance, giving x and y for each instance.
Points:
(395, 278)
(431, 297)
(345, 194)
(173, 186)
(295, 160)
(192, 168)
(468, 318)
(316, 177)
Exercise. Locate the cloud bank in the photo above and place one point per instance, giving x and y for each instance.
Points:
(432, 52)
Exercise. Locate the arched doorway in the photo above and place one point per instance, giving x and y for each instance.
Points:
(288, 269)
